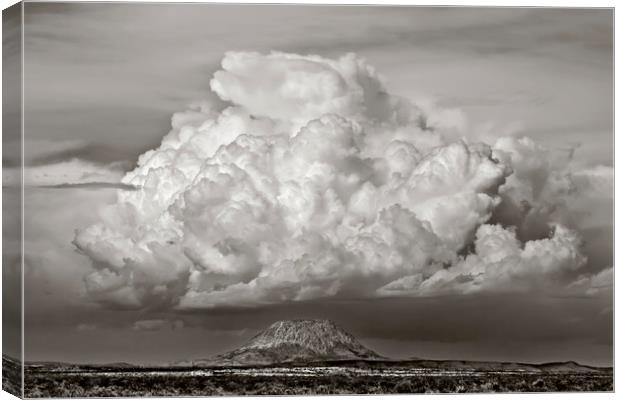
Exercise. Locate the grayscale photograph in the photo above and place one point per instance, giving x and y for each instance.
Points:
(246, 199)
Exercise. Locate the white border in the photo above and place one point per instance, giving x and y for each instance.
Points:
(449, 3)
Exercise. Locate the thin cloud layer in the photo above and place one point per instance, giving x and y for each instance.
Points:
(65, 173)
(309, 180)
(157, 325)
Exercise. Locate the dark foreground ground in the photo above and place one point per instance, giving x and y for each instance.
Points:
(11, 375)
(67, 381)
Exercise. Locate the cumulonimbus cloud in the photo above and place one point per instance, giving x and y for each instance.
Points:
(313, 181)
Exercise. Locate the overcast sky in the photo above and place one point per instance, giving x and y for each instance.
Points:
(103, 81)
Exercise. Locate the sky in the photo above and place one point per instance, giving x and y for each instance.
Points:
(156, 233)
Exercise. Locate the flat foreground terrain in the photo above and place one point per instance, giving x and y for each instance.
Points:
(65, 381)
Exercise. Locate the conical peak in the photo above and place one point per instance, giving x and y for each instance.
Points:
(315, 335)
(300, 339)
(304, 330)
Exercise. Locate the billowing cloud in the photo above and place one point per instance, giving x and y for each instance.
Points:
(500, 263)
(313, 181)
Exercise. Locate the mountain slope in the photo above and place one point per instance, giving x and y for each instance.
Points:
(297, 340)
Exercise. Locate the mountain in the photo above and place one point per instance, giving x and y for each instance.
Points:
(296, 341)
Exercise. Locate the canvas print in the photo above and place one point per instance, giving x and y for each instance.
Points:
(229, 199)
